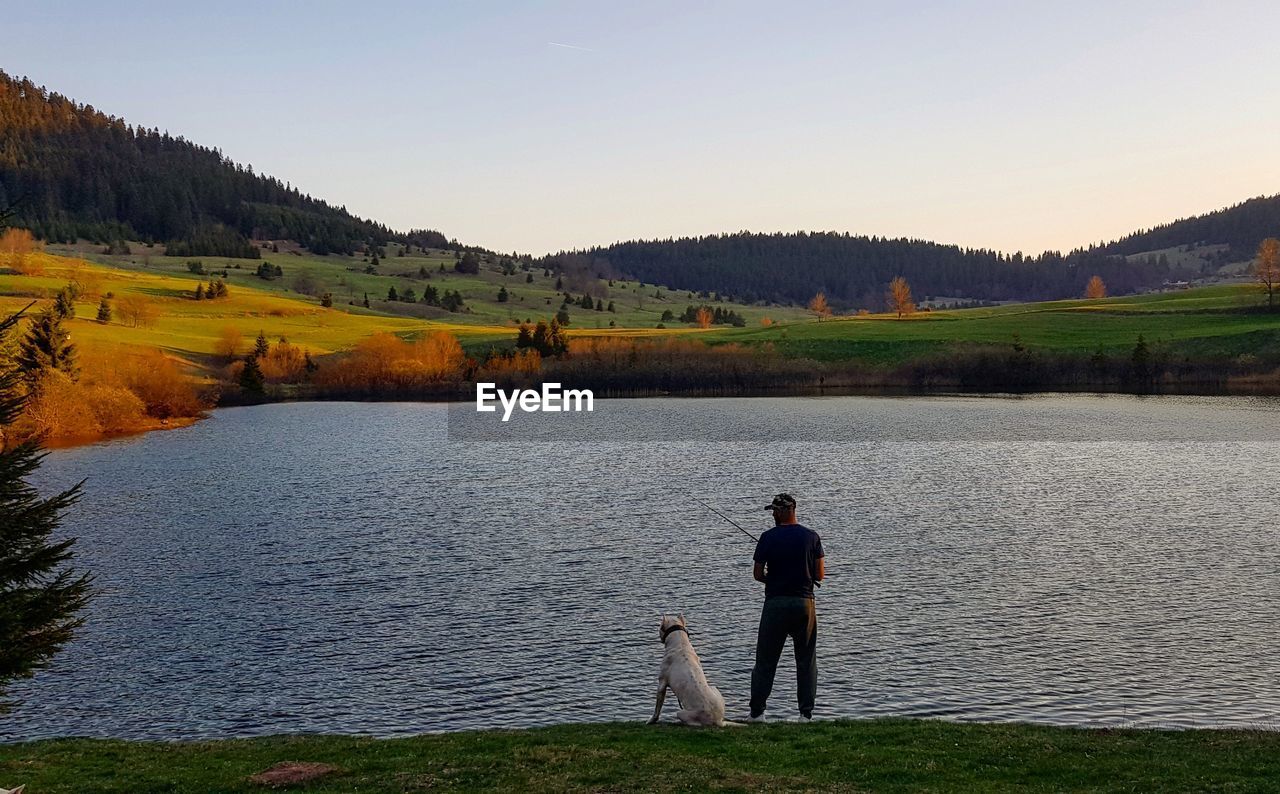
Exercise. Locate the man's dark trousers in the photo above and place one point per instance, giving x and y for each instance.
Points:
(782, 617)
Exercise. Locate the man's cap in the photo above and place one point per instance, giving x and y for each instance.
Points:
(783, 501)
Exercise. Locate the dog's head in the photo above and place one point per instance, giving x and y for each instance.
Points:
(668, 623)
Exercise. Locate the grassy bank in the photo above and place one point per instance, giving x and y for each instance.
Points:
(880, 755)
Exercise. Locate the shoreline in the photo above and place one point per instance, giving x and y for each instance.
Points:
(874, 755)
(459, 396)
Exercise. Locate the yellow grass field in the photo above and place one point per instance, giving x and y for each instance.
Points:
(190, 329)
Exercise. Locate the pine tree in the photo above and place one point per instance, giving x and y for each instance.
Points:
(326, 300)
(366, 300)
(251, 376)
(391, 295)
(200, 292)
(599, 305)
(260, 347)
(528, 278)
(104, 311)
(39, 595)
(47, 346)
(503, 295)
(64, 304)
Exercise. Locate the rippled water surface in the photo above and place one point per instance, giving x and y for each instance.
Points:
(355, 568)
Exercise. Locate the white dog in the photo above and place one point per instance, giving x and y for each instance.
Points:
(17, 790)
(700, 703)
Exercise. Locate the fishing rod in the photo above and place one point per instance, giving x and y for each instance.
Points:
(736, 524)
(726, 518)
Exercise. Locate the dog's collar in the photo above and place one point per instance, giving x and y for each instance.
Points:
(673, 630)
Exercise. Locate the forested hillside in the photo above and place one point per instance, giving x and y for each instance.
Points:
(75, 172)
(854, 271)
(1242, 227)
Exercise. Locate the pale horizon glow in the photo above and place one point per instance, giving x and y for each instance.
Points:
(1003, 125)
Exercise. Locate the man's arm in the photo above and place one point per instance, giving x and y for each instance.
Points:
(758, 573)
(820, 572)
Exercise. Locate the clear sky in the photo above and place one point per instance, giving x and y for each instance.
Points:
(1012, 125)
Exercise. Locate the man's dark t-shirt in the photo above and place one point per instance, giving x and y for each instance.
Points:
(790, 554)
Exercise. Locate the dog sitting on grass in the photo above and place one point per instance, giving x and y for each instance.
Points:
(700, 703)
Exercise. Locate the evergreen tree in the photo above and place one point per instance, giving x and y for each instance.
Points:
(326, 300)
(47, 346)
(612, 308)
(104, 311)
(528, 278)
(391, 295)
(586, 302)
(409, 296)
(64, 304)
(39, 595)
(251, 380)
(503, 295)
(562, 316)
(260, 347)
(599, 305)
(366, 300)
(200, 292)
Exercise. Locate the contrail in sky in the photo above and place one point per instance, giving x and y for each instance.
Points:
(570, 46)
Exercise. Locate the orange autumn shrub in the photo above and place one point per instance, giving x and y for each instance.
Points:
(386, 364)
(117, 409)
(158, 381)
(16, 247)
(283, 363)
(57, 408)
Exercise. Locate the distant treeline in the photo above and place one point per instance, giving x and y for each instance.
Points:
(73, 172)
(854, 271)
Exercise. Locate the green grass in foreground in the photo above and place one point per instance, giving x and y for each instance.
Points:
(880, 755)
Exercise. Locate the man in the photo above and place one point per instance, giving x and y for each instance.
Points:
(789, 561)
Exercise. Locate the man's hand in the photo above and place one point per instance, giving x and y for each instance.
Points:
(758, 573)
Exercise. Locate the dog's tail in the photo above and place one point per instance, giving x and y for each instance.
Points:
(732, 724)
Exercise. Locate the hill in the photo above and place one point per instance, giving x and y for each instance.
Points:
(1233, 233)
(854, 271)
(73, 172)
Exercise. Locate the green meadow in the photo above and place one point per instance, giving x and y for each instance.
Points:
(1209, 322)
(307, 276)
(877, 755)
(1223, 323)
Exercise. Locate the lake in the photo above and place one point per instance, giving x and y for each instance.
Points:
(388, 569)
